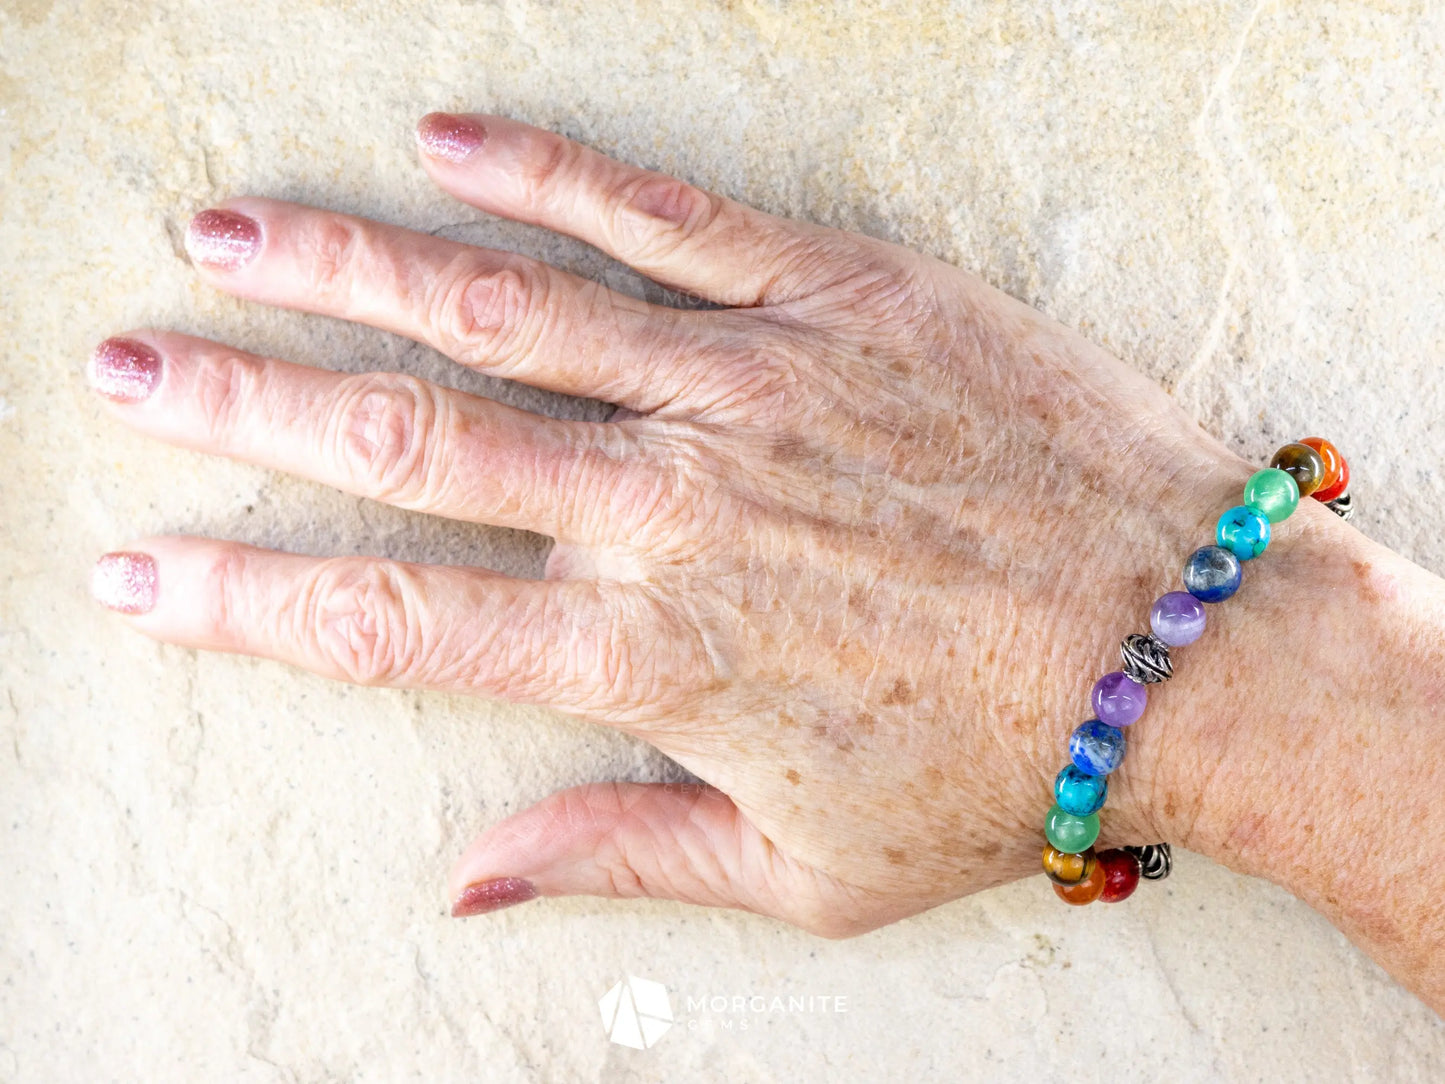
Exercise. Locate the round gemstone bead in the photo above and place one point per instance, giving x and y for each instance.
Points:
(1070, 833)
(1079, 792)
(1118, 699)
(1273, 492)
(1302, 463)
(1243, 531)
(1121, 875)
(1212, 574)
(1337, 471)
(1064, 868)
(1177, 618)
(1086, 891)
(1097, 748)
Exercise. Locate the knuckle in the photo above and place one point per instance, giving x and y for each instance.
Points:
(588, 476)
(362, 619)
(624, 880)
(653, 217)
(486, 312)
(225, 595)
(224, 385)
(547, 159)
(767, 380)
(326, 249)
(632, 493)
(387, 430)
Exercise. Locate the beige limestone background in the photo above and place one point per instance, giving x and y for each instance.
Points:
(215, 868)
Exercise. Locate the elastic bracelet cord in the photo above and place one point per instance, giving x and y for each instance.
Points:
(1312, 467)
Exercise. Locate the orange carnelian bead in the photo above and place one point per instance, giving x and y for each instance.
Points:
(1337, 471)
(1064, 868)
(1087, 890)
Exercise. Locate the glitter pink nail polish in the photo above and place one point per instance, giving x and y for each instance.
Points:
(454, 139)
(125, 582)
(223, 240)
(125, 370)
(493, 895)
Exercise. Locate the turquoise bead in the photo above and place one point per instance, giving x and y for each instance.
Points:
(1273, 492)
(1069, 833)
(1243, 531)
(1080, 793)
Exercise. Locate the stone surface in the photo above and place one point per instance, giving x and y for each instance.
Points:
(220, 868)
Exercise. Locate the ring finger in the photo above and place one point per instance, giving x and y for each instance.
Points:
(385, 436)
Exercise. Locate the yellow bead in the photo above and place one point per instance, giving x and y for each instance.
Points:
(1066, 869)
(1302, 463)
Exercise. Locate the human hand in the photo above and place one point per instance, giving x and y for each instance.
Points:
(853, 551)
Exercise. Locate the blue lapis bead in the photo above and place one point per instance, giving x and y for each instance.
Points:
(1243, 531)
(1212, 574)
(1096, 748)
(1080, 793)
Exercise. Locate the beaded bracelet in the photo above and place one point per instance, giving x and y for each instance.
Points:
(1312, 467)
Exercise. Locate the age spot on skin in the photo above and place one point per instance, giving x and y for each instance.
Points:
(896, 855)
(1375, 586)
(792, 776)
(901, 693)
(835, 732)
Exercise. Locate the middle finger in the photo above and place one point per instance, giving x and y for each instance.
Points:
(505, 314)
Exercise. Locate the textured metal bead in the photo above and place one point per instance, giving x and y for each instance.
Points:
(1146, 658)
(1155, 861)
(1342, 506)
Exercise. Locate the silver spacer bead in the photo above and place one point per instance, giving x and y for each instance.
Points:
(1342, 506)
(1146, 658)
(1156, 861)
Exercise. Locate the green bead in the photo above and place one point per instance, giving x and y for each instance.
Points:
(1273, 492)
(1069, 833)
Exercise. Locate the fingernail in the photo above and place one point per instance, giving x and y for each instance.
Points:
(126, 582)
(124, 370)
(492, 895)
(455, 139)
(223, 240)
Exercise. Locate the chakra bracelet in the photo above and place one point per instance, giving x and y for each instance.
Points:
(1312, 467)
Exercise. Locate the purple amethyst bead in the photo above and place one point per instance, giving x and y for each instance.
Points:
(1177, 618)
(1119, 699)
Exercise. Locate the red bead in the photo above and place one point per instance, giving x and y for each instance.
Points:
(1337, 471)
(1121, 875)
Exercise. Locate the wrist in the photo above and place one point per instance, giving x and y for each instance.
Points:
(1306, 739)
(1210, 766)
(1291, 681)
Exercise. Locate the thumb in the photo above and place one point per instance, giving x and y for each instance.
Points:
(686, 842)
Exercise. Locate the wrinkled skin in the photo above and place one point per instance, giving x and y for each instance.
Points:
(853, 550)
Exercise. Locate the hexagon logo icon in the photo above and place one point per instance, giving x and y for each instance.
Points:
(636, 1012)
